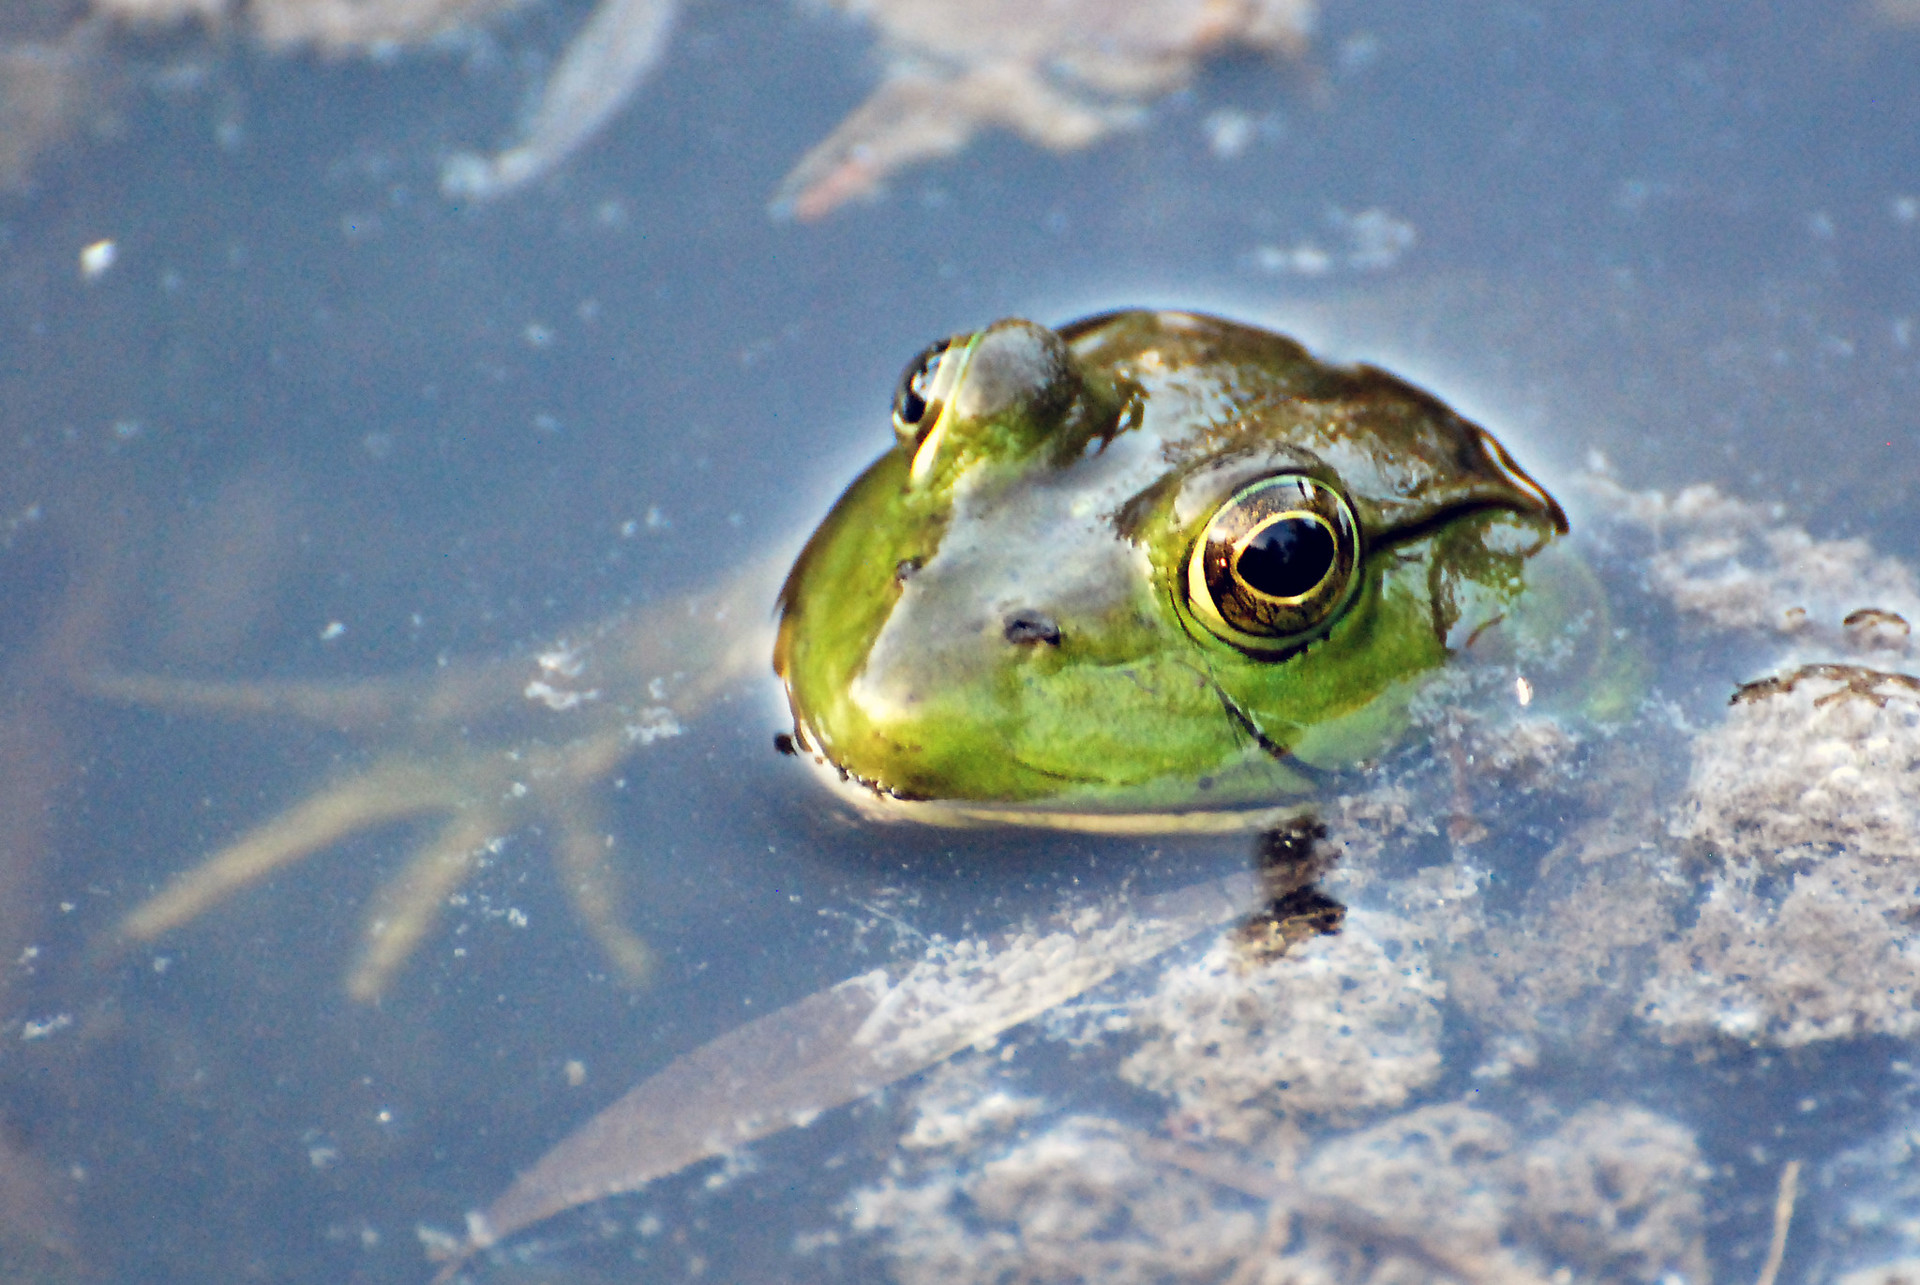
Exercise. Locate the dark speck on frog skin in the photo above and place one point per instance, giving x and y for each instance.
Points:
(1029, 627)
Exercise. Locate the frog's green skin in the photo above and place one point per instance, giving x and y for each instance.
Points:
(996, 621)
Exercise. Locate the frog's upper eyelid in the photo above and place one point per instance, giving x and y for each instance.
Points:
(1210, 485)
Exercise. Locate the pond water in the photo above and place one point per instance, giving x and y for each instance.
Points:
(318, 422)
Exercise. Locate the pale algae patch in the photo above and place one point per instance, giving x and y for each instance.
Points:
(1348, 1025)
(1805, 804)
(1702, 894)
(1445, 1192)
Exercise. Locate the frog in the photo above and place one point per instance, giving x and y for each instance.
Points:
(1153, 569)
(1147, 572)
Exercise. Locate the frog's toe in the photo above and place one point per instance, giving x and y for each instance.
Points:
(394, 790)
(585, 850)
(407, 906)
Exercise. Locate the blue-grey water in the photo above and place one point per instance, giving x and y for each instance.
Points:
(318, 422)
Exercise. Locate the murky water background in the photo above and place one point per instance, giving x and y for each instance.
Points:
(312, 393)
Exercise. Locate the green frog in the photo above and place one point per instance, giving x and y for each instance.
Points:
(1150, 571)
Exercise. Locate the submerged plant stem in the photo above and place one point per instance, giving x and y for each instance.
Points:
(1782, 1220)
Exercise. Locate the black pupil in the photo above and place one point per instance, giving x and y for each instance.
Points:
(1287, 558)
(911, 403)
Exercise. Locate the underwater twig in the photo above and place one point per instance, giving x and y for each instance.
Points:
(1782, 1220)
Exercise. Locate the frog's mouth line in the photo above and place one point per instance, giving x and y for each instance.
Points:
(874, 803)
(1239, 717)
(889, 809)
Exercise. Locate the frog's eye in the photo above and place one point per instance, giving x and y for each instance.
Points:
(924, 390)
(1275, 564)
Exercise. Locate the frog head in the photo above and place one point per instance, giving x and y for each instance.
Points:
(1149, 562)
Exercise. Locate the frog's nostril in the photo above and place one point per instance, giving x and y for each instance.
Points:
(1029, 627)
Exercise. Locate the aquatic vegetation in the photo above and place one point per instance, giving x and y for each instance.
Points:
(1442, 1192)
(1349, 1027)
(783, 1070)
(1303, 1130)
(1802, 808)
(1062, 75)
(1551, 857)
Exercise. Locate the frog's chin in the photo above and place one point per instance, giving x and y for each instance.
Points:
(875, 803)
